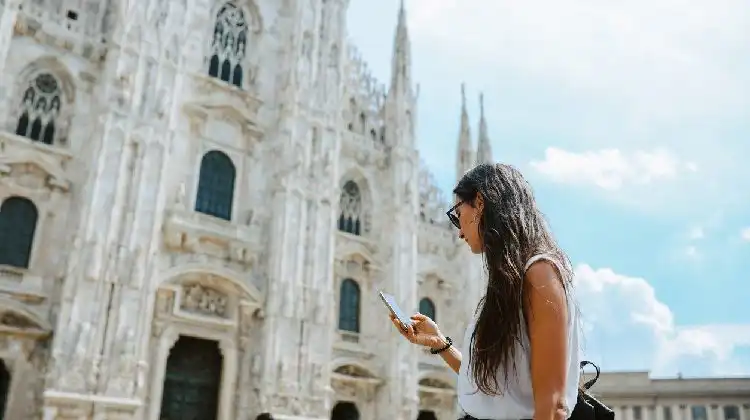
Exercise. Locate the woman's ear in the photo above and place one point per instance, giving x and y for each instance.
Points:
(479, 204)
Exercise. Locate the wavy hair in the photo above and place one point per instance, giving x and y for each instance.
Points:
(512, 230)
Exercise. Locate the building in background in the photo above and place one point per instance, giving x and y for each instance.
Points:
(199, 201)
(636, 396)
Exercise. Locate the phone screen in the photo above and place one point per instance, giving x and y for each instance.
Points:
(390, 302)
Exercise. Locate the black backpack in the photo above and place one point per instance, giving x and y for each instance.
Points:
(587, 407)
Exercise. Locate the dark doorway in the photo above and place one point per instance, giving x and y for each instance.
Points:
(192, 380)
(4, 388)
(426, 415)
(345, 411)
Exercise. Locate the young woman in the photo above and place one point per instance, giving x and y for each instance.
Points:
(519, 358)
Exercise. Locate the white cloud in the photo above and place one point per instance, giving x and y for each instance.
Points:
(691, 251)
(673, 57)
(609, 169)
(628, 325)
(745, 234)
(696, 232)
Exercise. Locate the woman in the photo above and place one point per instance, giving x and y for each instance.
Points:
(520, 356)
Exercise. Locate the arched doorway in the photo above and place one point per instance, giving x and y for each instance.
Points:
(345, 411)
(426, 415)
(4, 388)
(192, 380)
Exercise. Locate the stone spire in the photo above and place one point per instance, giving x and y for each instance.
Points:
(465, 156)
(401, 60)
(484, 148)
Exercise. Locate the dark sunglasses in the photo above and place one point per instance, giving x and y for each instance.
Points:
(452, 217)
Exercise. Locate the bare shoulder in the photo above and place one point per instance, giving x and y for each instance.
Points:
(543, 273)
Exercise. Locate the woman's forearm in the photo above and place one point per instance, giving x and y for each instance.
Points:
(451, 356)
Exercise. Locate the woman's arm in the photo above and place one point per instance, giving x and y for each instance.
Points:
(451, 356)
(545, 307)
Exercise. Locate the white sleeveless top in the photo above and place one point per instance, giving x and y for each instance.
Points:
(517, 401)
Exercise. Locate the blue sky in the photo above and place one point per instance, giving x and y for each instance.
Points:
(632, 121)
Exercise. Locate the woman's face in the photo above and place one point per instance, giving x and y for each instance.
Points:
(468, 220)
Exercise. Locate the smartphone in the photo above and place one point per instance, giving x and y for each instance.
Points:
(390, 303)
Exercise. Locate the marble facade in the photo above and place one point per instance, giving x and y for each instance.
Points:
(200, 200)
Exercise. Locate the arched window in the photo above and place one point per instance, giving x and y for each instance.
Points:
(349, 306)
(216, 185)
(426, 307)
(228, 45)
(350, 203)
(18, 217)
(345, 410)
(40, 107)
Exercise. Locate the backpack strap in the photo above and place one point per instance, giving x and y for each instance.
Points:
(591, 382)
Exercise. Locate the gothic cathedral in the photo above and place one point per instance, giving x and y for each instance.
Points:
(199, 200)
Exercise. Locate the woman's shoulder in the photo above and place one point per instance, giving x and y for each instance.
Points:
(550, 259)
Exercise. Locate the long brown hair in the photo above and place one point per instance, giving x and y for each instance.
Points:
(512, 230)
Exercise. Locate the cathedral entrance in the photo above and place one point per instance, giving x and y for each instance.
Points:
(4, 388)
(192, 380)
(426, 415)
(345, 411)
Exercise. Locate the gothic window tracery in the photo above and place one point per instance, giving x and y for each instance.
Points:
(427, 307)
(349, 306)
(350, 204)
(40, 107)
(216, 185)
(228, 45)
(18, 217)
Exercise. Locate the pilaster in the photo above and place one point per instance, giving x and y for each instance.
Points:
(8, 15)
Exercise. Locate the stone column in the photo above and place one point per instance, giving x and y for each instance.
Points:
(745, 412)
(228, 379)
(8, 15)
(684, 412)
(159, 362)
(626, 412)
(714, 413)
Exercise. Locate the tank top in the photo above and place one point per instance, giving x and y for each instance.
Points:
(517, 400)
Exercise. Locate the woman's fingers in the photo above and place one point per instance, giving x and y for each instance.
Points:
(419, 317)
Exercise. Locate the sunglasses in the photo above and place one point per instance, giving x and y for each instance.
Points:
(452, 217)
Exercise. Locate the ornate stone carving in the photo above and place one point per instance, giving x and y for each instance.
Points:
(14, 320)
(435, 383)
(203, 300)
(353, 371)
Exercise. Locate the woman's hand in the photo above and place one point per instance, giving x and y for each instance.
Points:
(423, 331)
